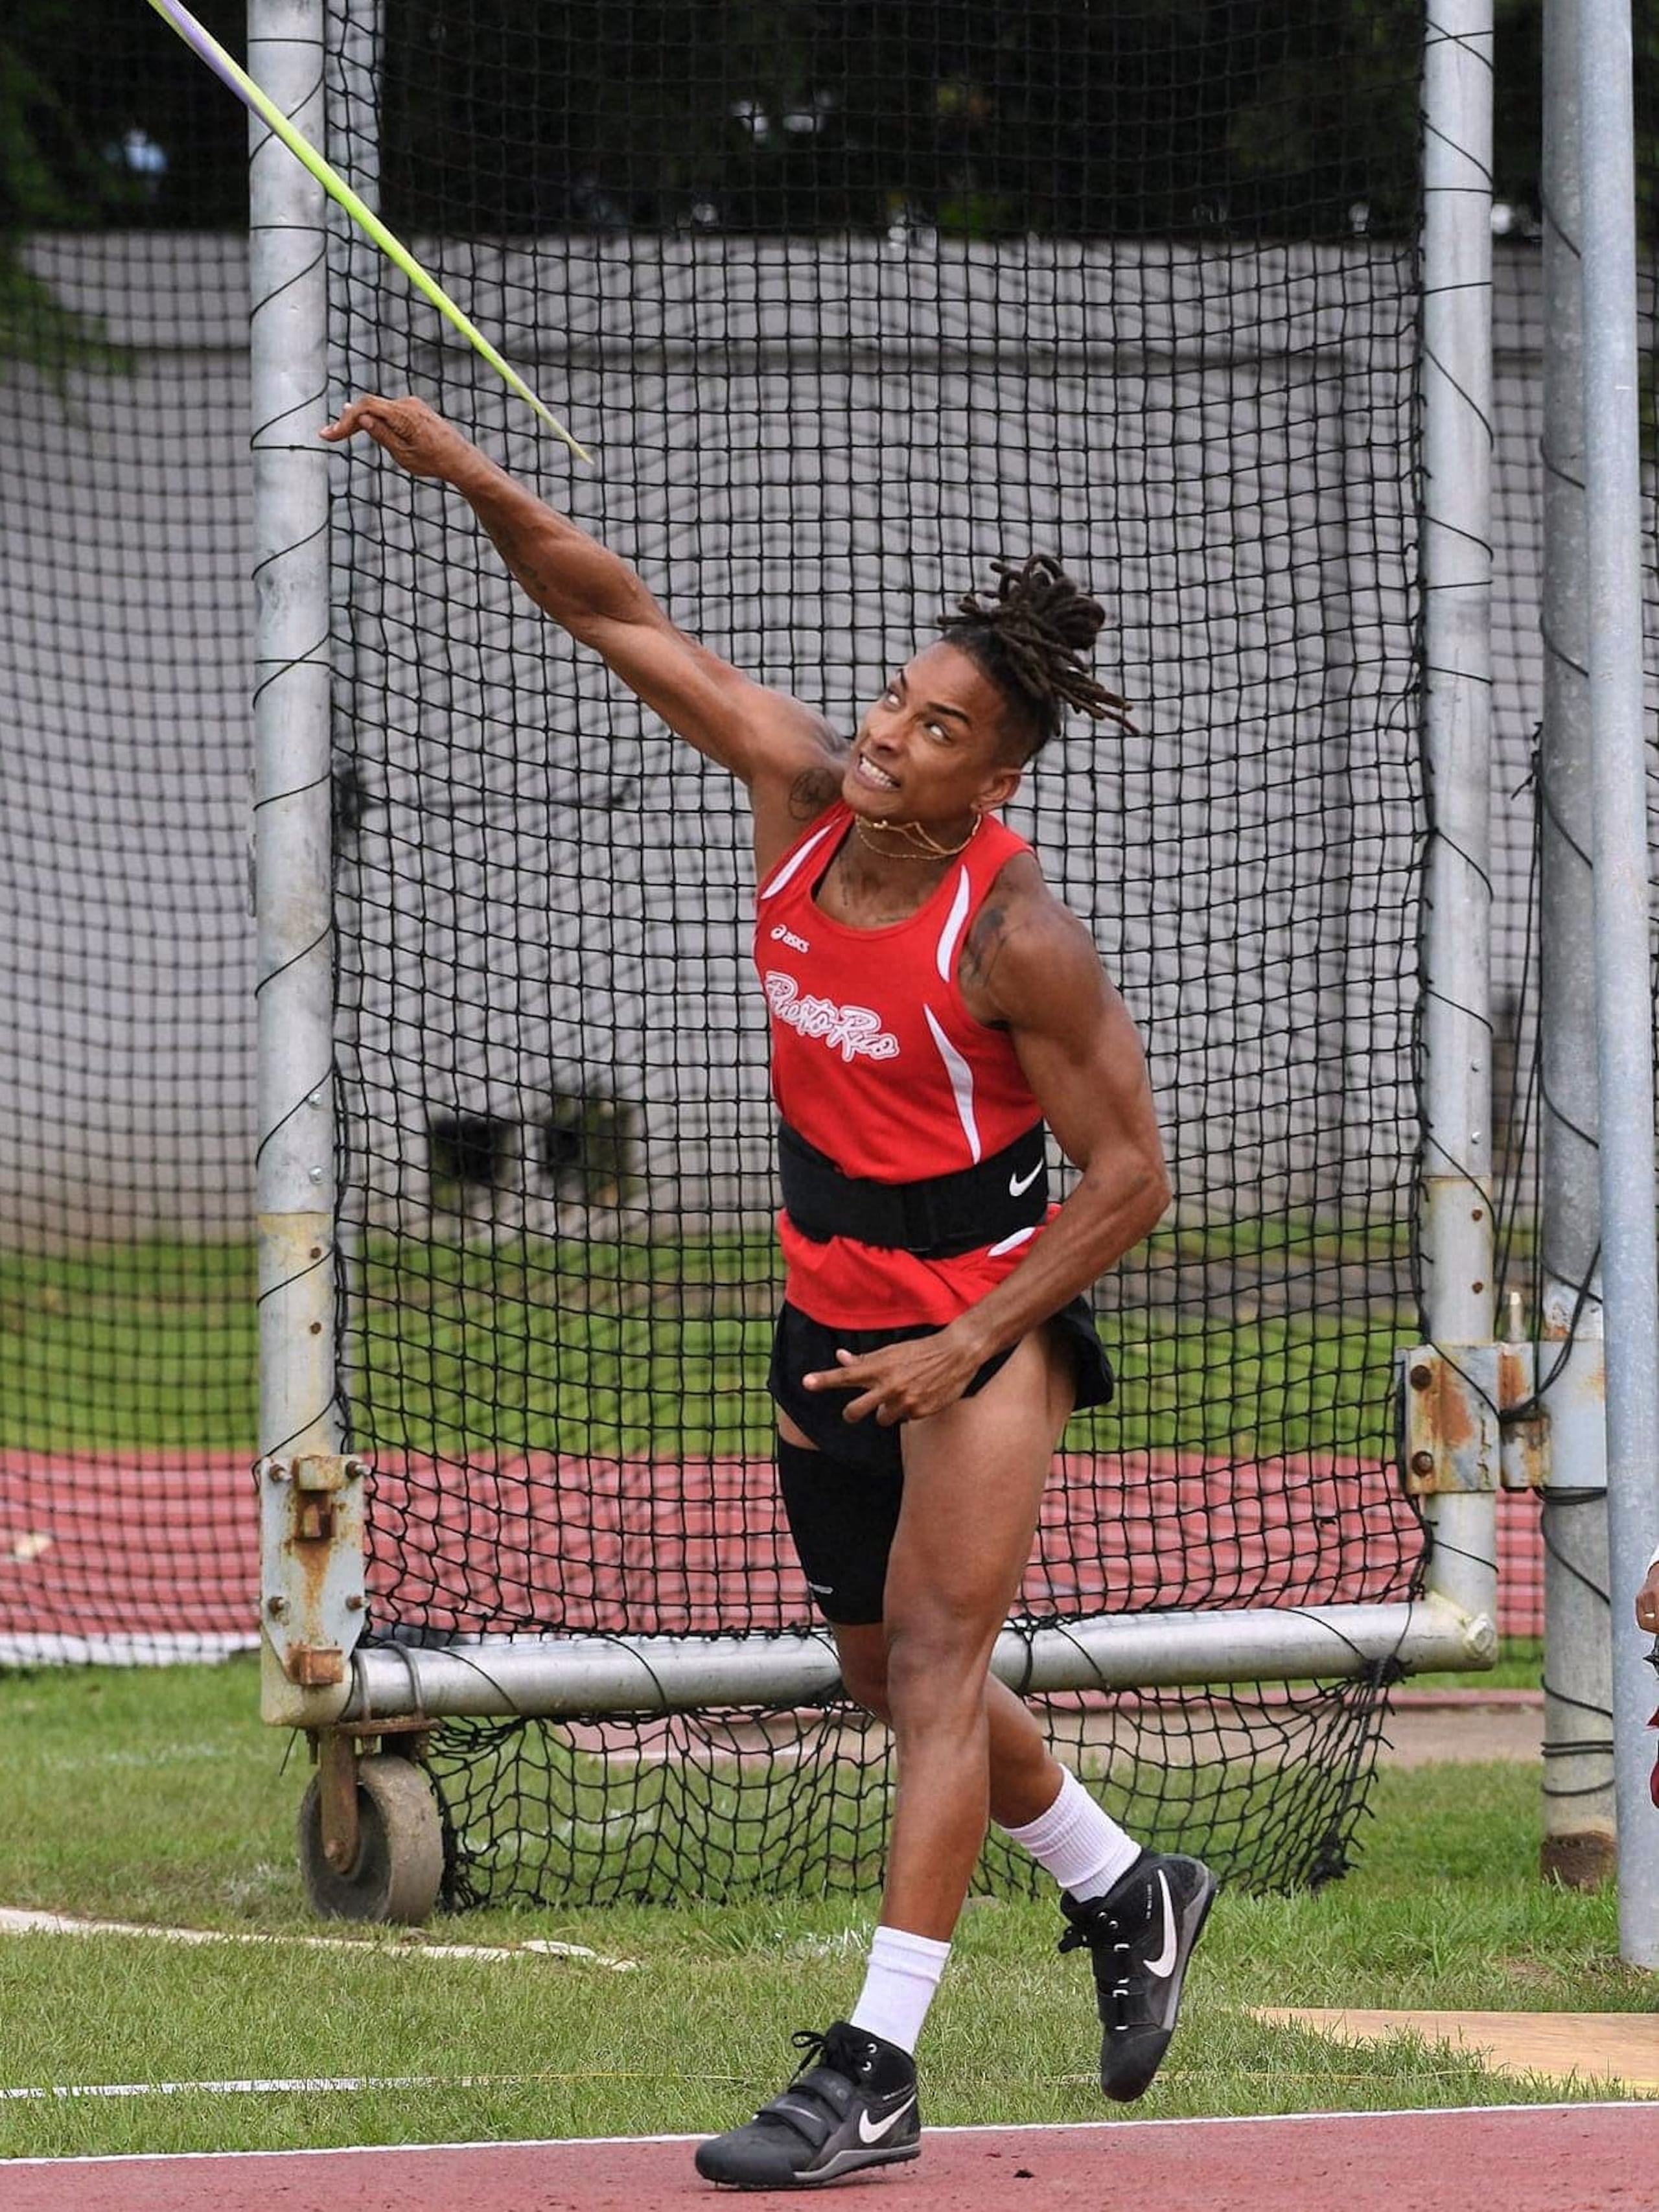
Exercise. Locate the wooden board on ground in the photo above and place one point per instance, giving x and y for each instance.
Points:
(1618, 2047)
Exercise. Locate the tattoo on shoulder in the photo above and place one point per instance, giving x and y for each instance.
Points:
(985, 940)
(813, 790)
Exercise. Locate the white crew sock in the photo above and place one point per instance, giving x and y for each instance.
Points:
(1078, 1842)
(898, 1985)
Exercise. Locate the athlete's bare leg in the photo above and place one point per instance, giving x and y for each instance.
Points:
(1024, 1776)
(974, 1476)
(1024, 1779)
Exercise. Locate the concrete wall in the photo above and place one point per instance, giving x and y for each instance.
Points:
(807, 450)
(126, 1081)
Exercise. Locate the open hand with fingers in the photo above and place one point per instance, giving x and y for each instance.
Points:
(903, 1382)
(415, 435)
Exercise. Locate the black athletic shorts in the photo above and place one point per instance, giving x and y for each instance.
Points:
(842, 1501)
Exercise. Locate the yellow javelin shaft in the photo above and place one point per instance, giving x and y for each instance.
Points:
(204, 44)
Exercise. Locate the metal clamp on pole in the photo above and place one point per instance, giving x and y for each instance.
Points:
(311, 1531)
(1470, 1420)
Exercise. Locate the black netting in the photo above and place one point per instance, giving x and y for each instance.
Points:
(1268, 1783)
(847, 300)
(127, 1339)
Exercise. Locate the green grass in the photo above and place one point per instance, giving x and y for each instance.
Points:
(630, 1349)
(1520, 1666)
(1297, 1236)
(129, 1347)
(156, 1797)
(611, 1349)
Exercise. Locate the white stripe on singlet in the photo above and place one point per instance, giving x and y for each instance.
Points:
(792, 866)
(962, 1085)
(952, 930)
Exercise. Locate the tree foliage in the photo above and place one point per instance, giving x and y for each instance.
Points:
(1068, 117)
(86, 86)
(90, 100)
(1236, 117)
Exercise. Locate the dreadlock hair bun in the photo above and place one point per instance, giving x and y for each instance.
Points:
(1031, 634)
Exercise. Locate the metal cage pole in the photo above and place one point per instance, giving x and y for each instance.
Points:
(1459, 1295)
(554, 1676)
(1578, 1845)
(1623, 906)
(308, 1557)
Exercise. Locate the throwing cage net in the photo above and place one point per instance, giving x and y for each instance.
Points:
(128, 1373)
(848, 301)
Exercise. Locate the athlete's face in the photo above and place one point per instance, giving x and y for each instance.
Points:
(932, 748)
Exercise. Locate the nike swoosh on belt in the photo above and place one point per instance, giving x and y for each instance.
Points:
(1018, 1185)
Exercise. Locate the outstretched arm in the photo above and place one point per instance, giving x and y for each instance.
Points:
(1030, 964)
(766, 738)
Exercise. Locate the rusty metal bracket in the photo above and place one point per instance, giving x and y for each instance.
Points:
(1467, 1422)
(337, 1775)
(311, 1563)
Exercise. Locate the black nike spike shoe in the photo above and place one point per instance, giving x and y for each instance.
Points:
(1139, 1936)
(853, 2103)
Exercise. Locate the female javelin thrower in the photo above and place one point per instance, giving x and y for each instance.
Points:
(933, 1007)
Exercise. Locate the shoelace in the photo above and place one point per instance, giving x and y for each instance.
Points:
(1077, 1938)
(812, 2044)
(814, 2050)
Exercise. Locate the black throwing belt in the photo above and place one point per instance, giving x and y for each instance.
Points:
(936, 1220)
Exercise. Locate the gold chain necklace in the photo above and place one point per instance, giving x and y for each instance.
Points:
(925, 847)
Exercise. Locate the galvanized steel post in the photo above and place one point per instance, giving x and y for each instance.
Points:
(298, 1416)
(1630, 1260)
(1459, 1295)
(1579, 1845)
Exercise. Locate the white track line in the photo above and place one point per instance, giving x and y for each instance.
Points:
(139, 1647)
(1014, 2128)
(300, 2086)
(14, 1921)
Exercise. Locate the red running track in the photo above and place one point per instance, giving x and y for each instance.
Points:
(162, 1548)
(1550, 2158)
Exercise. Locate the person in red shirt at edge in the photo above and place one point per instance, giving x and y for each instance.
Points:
(933, 1007)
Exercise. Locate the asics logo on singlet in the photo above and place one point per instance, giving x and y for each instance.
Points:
(850, 1030)
(781, 935)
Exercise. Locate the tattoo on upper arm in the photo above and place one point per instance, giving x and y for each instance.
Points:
(812, 790)
(985, 940)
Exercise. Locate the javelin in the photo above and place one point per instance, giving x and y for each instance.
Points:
(203, 43)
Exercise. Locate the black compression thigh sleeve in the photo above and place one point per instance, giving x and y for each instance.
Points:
(842, 1517)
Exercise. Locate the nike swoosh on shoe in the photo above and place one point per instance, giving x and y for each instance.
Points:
(1163, 1965)
(872, 2132)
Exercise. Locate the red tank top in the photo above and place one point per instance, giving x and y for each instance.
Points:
(877, 1062)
